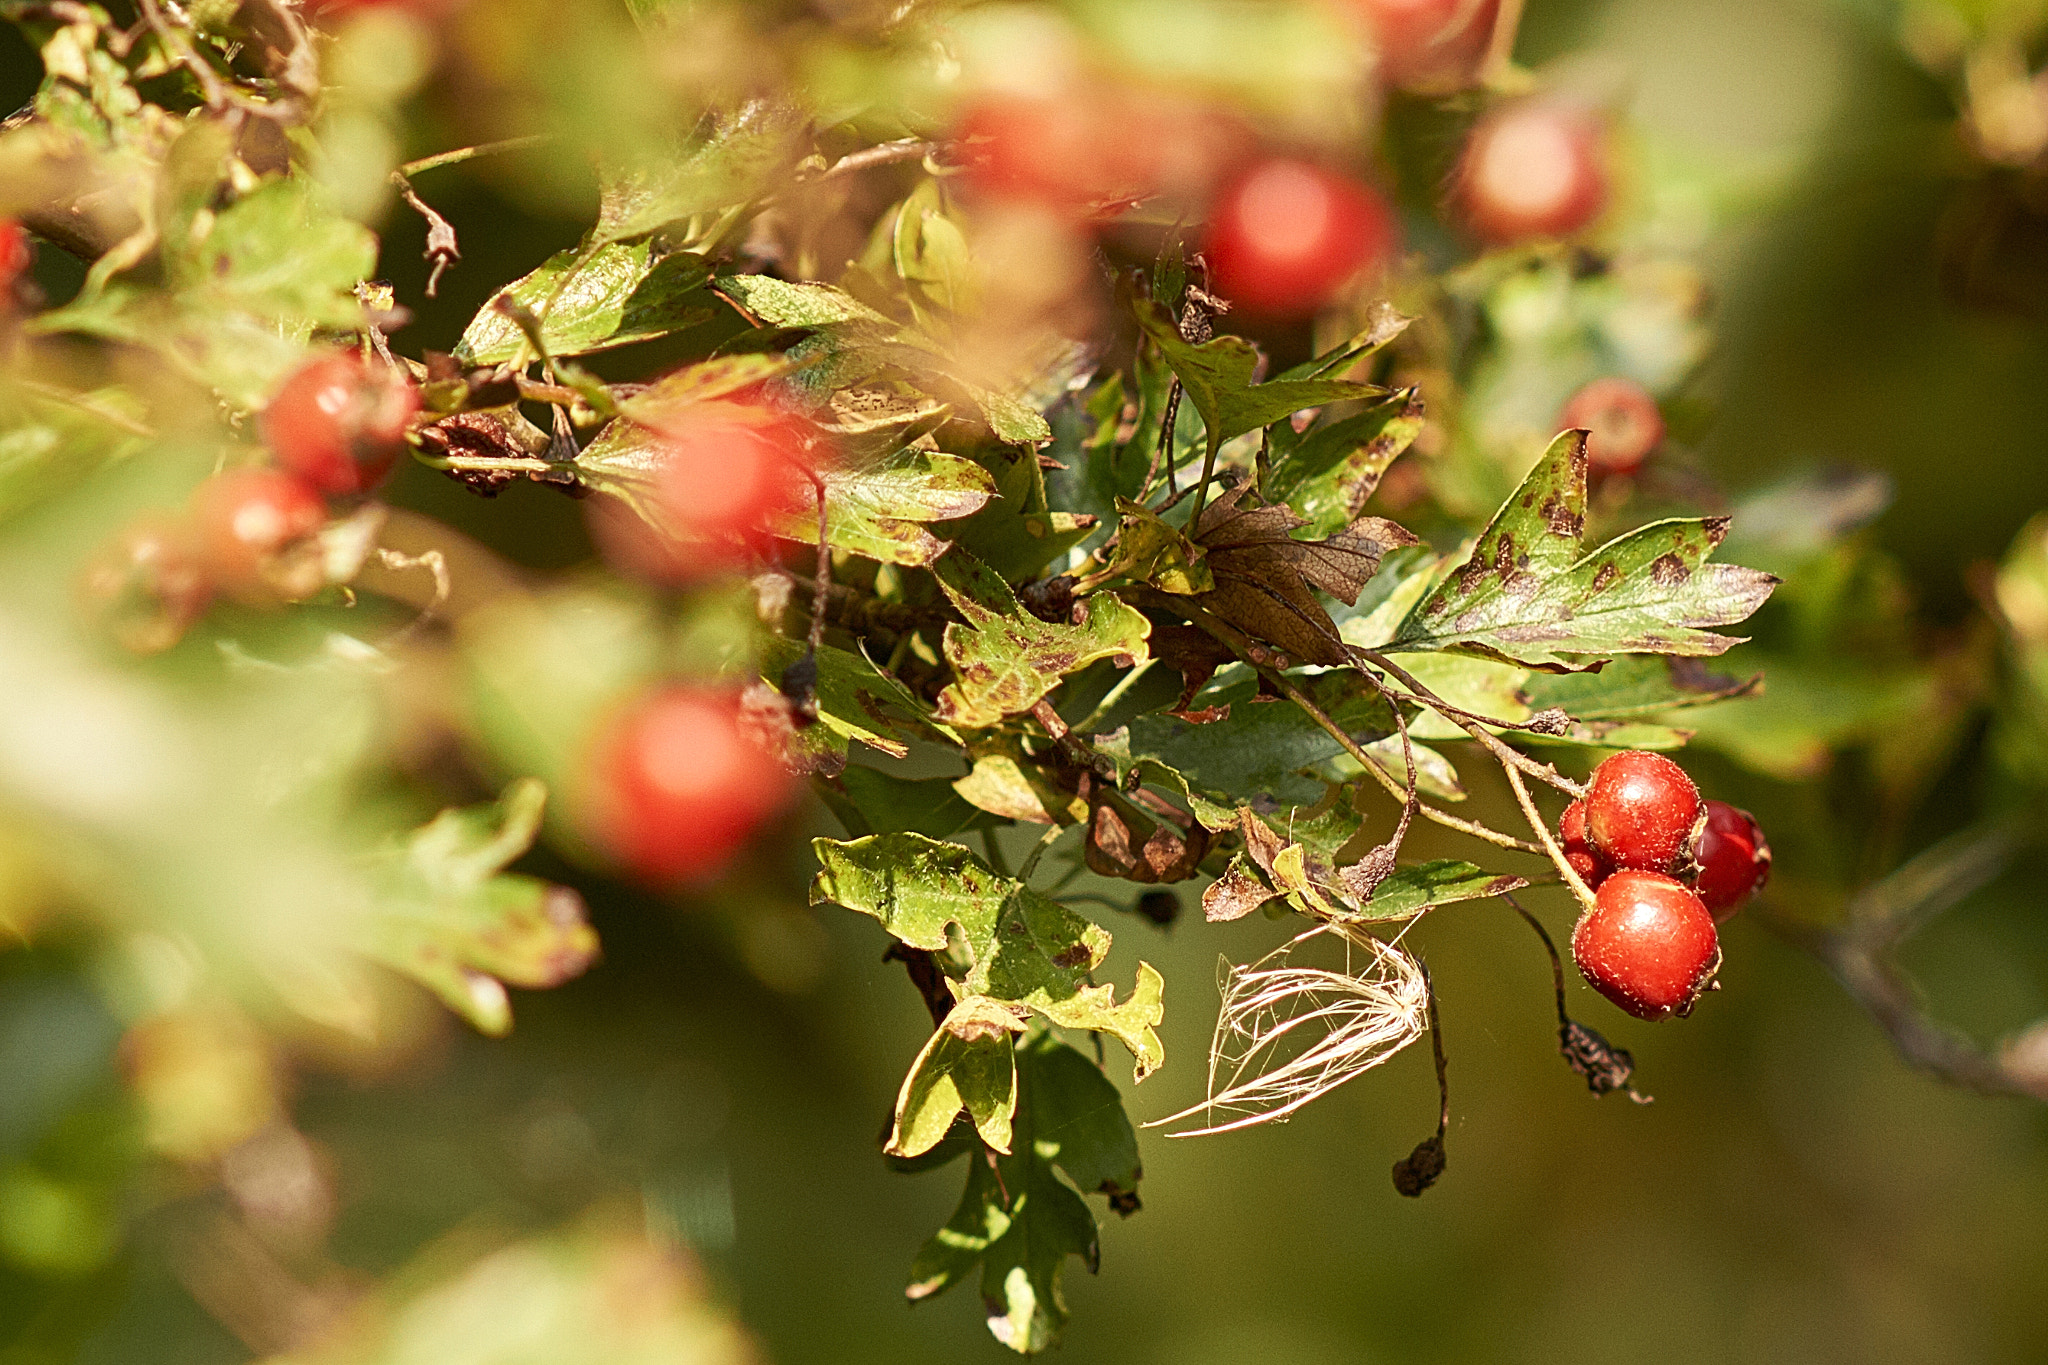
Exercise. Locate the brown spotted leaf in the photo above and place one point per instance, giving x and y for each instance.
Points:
(1266, 580)
(1530, 594)
(1019, 946)
(1004, 658)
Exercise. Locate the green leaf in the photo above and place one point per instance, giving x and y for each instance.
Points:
(702, 196)
(1018, 534)
(452, 919)
(1021, 947)
(1527, 594)
(1150, 551)
(1078, 1120)
(278, 253)
(862, 342)
(1262, 751)
(968, 1064)
(592, 299)
(1017, 1220)
(879, 511)
(1217, 376)
(1411, 890)
(1019, 1227)
(857, 701)
(1328, 477)
(870, 801)
(1004, 659)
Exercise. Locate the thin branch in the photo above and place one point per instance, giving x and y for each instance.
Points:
(442, 249)
(1045, 841)
(1474, 725)
(462, 154)
(884, 154)
(1550, 846)
(1165, 447)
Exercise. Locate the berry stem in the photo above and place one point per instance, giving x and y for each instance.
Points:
(1474, 725)
(1550, 845)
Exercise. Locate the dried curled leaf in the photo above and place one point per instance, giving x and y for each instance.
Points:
(1265, 579)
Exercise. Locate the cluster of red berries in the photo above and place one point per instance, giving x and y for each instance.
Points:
(334, 428)
(1665, 867)
(1286, 234)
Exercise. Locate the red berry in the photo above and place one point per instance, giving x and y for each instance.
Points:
(1586, 860)
(258, 532)
(147, 587)
(677, 783)
(1285, 236)
(1647, 944)
(1533, 170)
(727, 470)
(1621, 423)
(1434, 46)
(1642, 811)
(338, 423)
(1090, 148)
(1734, 859)
(16, 255)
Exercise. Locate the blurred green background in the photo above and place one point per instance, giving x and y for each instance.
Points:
(1795, 1193)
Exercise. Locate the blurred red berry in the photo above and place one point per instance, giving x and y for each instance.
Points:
(678, 783)
(1532, 170)
(148, 586)
(1642, 811)
(339, 423)
(1734, 859)
(1286, 235)
(1091, 148)
(16, 255)
(1434, 46)
(1589, 862)
(727, 470)
(1648, 945)
(1621, 423)
(259, 534)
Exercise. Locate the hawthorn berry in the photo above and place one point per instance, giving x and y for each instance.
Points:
(677, 782)
(1286, 235)
(1589, 862)
(1433, 46)
(1734, 859)
(1648, 944)
(148, 586)
(16, 255)
(1642, 811)
(258, 533)
(1532, 170)
(727, 469)
(339, 423)
(1621, 422)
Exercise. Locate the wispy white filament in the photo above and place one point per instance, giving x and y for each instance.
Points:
(1288, 1034)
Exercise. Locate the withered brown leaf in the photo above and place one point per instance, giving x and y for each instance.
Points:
(1265, 579)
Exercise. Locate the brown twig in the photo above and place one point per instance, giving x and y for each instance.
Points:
(1550, 846)
(442, 249)
(1474, 725)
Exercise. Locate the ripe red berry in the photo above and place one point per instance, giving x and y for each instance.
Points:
(727, 470)
(1734, 859)
(677, 783)
(1586, 860)
(148, 586)
(1648, 945)
(16, 255)
(1533, 170)
(1433, 46)
(1642, 811)
(1285, 236)
(1621, 423)
(338, 423)
(258, 533)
